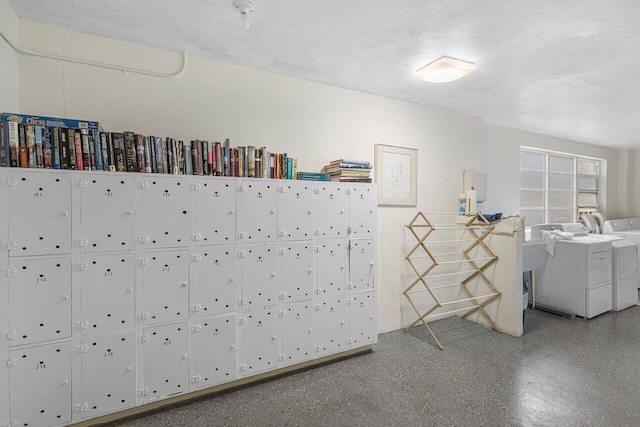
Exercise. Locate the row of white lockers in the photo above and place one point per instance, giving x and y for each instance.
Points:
(121, 211)
(117, 289)
(123, 370)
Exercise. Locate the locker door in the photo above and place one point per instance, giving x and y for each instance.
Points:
(216, 284)
(362, 210)
(108, 373)
(39, 214)
(39, 300)
(166, 361)
(331, 212)
(215, 350)
(296, 266)
(4, 218)
(107, 293)
(107, 213)
(258, 342)
(297, 333)
(362, 257)
(331, 267)
(40, 385)
(259, 278)
(215, 211)
(258, 218)
(164, 219)
(332, 328)
(165, 295)
(295, 210)
(362, 311)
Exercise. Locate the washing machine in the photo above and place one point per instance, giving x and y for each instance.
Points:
(578, 278)
(628, 228)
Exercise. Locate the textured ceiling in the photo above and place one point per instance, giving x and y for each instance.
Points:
(564, 68)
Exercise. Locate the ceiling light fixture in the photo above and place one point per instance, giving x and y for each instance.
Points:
(445, 69)
(245, 7)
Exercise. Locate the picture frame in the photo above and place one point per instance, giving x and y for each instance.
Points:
(396, 175)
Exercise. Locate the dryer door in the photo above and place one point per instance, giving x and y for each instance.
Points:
(627, 261)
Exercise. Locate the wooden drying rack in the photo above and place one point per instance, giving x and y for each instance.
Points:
(479, 228)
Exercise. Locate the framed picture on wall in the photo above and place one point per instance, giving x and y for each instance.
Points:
(396, 173)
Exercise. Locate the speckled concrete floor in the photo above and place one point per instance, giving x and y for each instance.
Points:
(561, 372)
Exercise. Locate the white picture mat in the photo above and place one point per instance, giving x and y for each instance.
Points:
(396, 175)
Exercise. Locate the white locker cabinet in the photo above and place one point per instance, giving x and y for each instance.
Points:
(39, 213)
(297, 333)
(362, 255)
(217, 288)
(215, 350)
(295, 210)
(107, 212)
(362, 210)
(165, 295)
(40, 385)
(331, 267)
(296, 266)
(4, 300)
(331, 325)
(165, 361)
(259, 275)
(258, 214)
(107, 282)
(164, 217)
(39, 300)
(215, 215)
(258, 341)
(362, 325)
(331, 211)
(108, 374)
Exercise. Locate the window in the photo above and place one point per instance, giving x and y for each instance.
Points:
(556, 187)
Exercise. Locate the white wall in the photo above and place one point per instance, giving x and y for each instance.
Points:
(313, 122)
(503, 163)
(8, 59)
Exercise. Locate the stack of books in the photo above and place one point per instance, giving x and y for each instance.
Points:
(348, 170)
(313, 176)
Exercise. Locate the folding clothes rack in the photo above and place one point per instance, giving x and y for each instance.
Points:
(473, 232)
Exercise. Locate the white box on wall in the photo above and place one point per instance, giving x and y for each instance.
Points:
(478, 180)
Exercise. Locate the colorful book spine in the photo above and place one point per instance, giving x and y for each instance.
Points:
(148, 166)
(188, 159)
(157, 143)
(14, 143)
(104, 149)
(111, 153)
(5, 155)
(64, 149)
(71, 144)
(118, 152)
(77, 138)
(219, 159)
(31, 146)
(251, 161)
(165, 155)
(140, 161)
(37, 131)
(47, 151)
(23, 151)
(55, 148)
(97, 151)
(130, 151)
(87, 150)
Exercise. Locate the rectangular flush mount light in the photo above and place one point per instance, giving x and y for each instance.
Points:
(445, 70)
